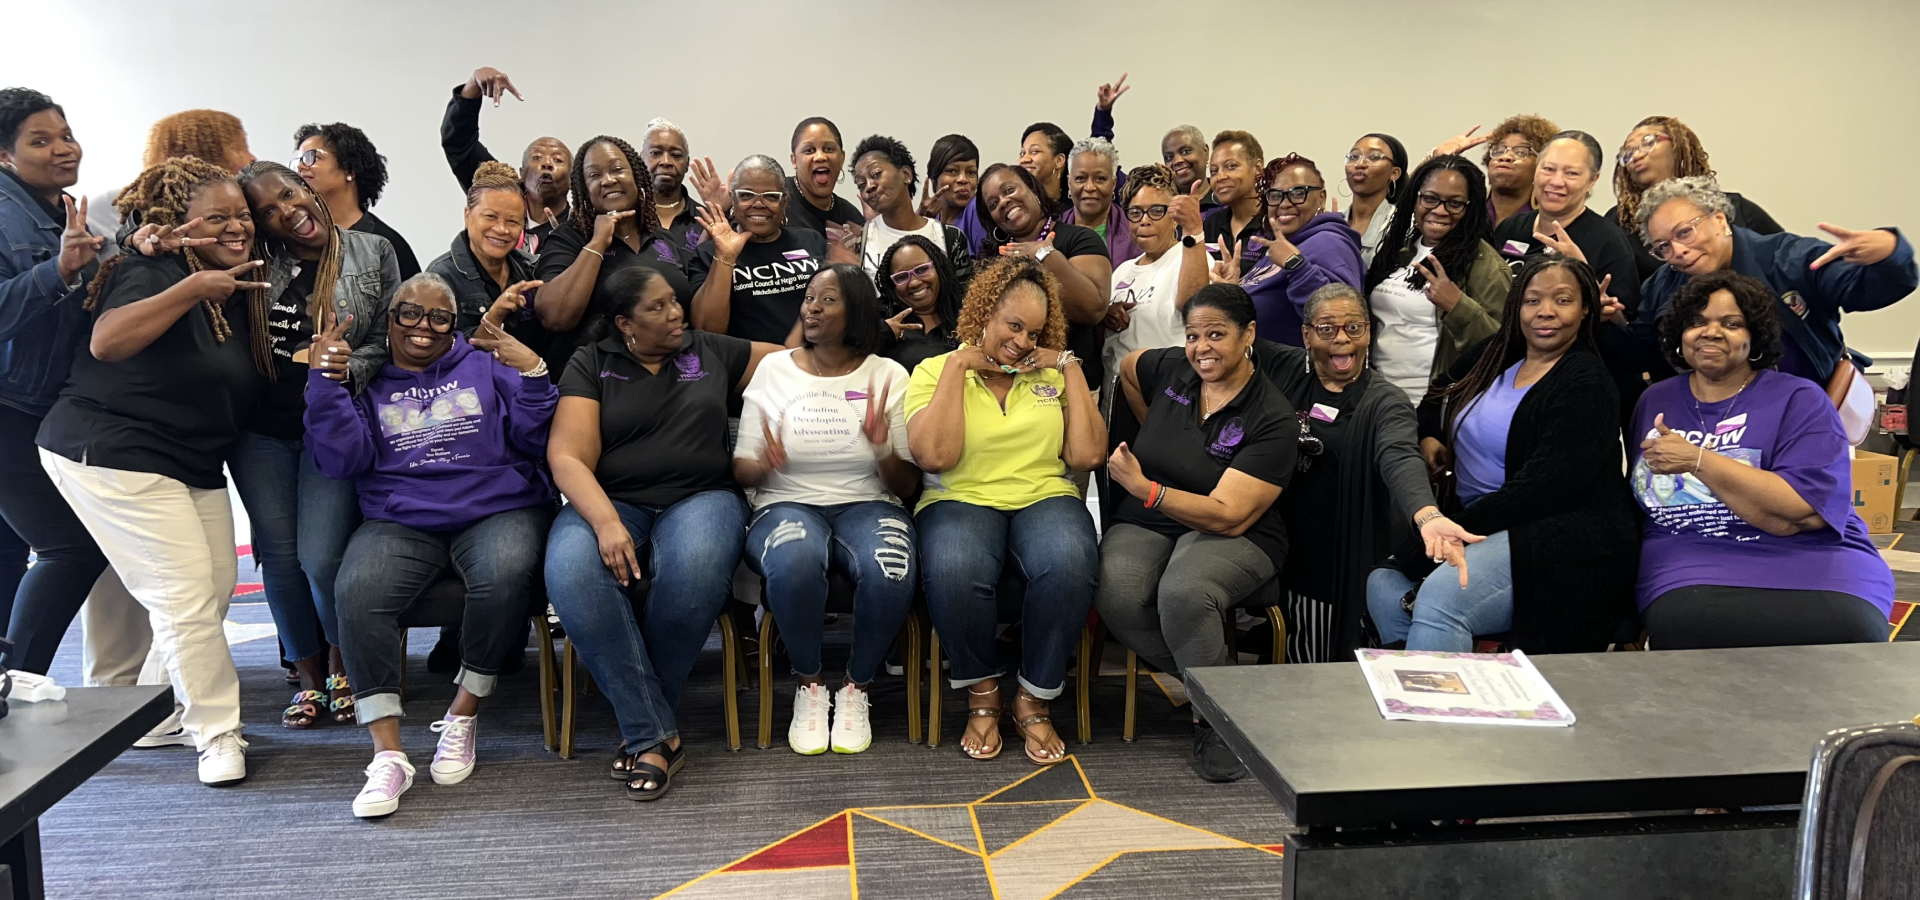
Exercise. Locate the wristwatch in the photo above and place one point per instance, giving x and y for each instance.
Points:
(1189, 241)
(1041, 254)
(1294, 262)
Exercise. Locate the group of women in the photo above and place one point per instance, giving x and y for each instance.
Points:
(1404, 418)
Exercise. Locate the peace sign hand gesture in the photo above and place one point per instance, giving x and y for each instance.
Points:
(1556, 238)
(1459, 143)
(504, 347)
(727, 243)
(933, 201)
(77, 246)
(1862, 248)
(219, 284)
(1441, 290)
(1611, 309)
(1227, 269)
(1108, 94)
(329, 354)
(875, 425)
(153, 240)
(901, 326)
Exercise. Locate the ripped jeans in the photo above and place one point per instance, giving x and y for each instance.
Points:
(792, 544)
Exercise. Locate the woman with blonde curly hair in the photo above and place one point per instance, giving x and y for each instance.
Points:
(1662, 148)
(998, 426)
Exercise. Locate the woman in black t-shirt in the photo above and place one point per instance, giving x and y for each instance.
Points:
(920, 295)
(751, 273)
(819, 162)
(343, 165)
(1012, 200)
(639, 448)
(136, 440)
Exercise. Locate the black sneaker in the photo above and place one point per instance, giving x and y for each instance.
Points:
(1212, 758)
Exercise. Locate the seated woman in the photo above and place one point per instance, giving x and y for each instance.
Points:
(920, 298)
(1198, 530)
(1151, 289)
(885, 175)
(1751, 537)
(444, 447)
(348, 172)
(998, 425)
(1427, 317)
(1662, 148)
(751, 273)
(1303, 248)
(822, 453)
(486, 263)
(639, 448)
(1531, 431)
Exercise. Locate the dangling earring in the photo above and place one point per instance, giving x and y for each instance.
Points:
(1308, 366)
(1249, 352)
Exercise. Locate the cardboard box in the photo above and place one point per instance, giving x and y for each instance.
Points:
(1873, 475)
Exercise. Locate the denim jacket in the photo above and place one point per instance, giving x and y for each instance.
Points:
(473, 291)
(369, 276)
(43, 321)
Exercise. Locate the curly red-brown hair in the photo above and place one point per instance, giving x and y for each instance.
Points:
(991, 284)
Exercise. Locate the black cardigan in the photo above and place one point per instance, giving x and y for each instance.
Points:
(1565, 505)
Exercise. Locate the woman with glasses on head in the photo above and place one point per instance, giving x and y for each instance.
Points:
(1426, 317)
(1014, 202)
(1304, 249)
(1375, 167)
(1661, 148)
(1234, 172)
(920, 297)
(885, 175)
(751, 274)
(347, 172)
(1512, 148)
(1151, 290)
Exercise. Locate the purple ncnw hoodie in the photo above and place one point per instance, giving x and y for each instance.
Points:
(1332, 251)
(439, 449)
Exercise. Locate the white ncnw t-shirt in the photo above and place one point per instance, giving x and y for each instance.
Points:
(829, 460)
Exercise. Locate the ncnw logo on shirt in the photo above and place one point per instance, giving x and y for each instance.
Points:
(776, 271)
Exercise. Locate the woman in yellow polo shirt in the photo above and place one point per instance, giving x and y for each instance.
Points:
(999, 426)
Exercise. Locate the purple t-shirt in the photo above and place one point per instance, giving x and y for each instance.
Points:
(1783, 424)
(1480, 449)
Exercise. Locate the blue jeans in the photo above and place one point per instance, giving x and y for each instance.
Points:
(389, 565)
(791, 545)
(963, 549)
(642, 662)
(1445, 615)
(301, 522)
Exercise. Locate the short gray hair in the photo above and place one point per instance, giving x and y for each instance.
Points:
(427, 281)
(757, 162)
(1327, 294)
(1190, 132)
(1703, 191)
(1097, 145)
(661, 124)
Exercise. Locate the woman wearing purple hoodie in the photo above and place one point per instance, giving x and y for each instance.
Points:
(1307, 249)
(444, 447)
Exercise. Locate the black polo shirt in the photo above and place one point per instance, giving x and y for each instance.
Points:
(563, 246)
(802, 214)
(769, 281)
(684, 233)
(1252, 239)
(173, 409)
(663, 436)
(1255, 432)
(1086, 341)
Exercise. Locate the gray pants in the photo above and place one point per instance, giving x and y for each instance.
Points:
(1163, 597)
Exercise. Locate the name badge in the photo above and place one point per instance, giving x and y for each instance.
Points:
(1730, 424)
(1323, 412)
(1515, 248)
(796, 254)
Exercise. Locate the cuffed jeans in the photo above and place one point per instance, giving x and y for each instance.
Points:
(1163, 596)
(1445, 615)
(963, 549)
(301, 521)
(641, 662)
(792, 544)
(173, 546)
(37, 604)
(388, 566)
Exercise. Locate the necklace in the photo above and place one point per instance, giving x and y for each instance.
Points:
(1701, 417)
(1208, 408)
(813, 367)
(674, 205)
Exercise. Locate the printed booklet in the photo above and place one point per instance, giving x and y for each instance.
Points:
(1474, 688)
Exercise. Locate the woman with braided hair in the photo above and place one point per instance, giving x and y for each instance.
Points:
(614, 226)
(1661, 148)
(179, 350)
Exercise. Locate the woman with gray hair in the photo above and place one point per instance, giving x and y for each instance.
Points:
(1094, 180)
(1184, 152)
(663, 149)
(776, 261)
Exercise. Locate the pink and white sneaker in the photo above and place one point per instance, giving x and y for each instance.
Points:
(453, 759)
(388, 776)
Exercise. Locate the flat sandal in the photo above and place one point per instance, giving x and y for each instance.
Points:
(1021, 725)
(992, 712)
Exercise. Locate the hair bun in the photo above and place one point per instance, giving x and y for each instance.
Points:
(495, 175)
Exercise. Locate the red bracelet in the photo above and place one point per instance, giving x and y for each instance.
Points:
(1155, 494)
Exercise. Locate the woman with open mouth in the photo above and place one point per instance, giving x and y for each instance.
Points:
(1662, 148)
(819, 161)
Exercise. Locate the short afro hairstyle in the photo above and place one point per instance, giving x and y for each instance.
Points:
(17, 104)
(895, 152)
(356, 156)
(1757, 305)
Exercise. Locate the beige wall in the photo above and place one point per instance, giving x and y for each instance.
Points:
(1807, 108)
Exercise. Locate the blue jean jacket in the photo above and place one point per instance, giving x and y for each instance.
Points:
(369, 276)
(42, 319)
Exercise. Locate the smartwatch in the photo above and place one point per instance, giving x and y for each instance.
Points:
(1041, 254)
(1189, 241)
(1294, 262)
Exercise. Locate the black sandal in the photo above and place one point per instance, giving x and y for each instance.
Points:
(662, 779)
(623, 762)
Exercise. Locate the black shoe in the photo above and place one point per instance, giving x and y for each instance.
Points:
(1212, 758)
(445, 656)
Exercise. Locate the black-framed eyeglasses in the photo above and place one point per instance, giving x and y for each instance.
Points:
(1295, 195)
(1372, 157)
(1642, 147)
(410, 314)
(1310, 445)
(1515, 151)
(1155, 212)
(307, 158)
(920, 271)
(770, 198)
(1684, 233)
(1430, 200)
(1327, 332)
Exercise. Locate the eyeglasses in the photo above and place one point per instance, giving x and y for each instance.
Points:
(1430, 200)
(1374, 157)
(1326, 332)
(920, 271)
(1310, 446)
(410, 314)
(1685, 233)
(1295, 195)
(1647, 143)
(1155, 212)
(1517, 152)
(770, 198)
(307, 158)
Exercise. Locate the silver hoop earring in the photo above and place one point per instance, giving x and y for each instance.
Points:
(1755, 357)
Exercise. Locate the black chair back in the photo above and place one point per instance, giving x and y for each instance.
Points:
(1860, 822)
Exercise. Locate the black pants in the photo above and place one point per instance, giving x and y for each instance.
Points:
(1706, 616)
(68, 562)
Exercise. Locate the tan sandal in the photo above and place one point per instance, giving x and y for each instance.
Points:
(1021, 725)
(984, 712)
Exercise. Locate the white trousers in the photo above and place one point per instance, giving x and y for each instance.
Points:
(173, 547)
(115, 638)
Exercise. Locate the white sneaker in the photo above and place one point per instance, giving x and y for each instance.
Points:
(175, 738)
(852, 732)
(453, 760)
(388, 776)
(225, 760)
(808, 733)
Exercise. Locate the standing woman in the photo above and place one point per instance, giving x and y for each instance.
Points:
(997, 426)
(1513, 146)
(1044, 152)
(1183, 150)
(214, 136)
(135, 443)
(1375, 166)
(345, 169)
(1093, 179)
(1564, 177)
(1151, 290)
(819, 162)
(1012, 200)
(487, 264)
(1304, 248)
(1662, 148)
(920, 297)
(1234, 172)
(301, 519)
(953, 175)
(885, 175)
(1526, 436)
(751, 274)
(1427, 318)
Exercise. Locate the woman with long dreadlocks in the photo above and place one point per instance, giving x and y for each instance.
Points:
(179, 350)
(1662, 148)
(613, 226)
(301, 520)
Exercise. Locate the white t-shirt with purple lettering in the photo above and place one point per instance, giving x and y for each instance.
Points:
(819, 420)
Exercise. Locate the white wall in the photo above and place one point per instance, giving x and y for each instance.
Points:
(1808, 108)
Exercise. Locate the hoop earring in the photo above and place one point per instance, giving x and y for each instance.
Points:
(1755, 357)
(999, 237)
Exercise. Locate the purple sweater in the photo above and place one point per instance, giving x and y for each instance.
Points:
(1332, 252)
(437, 450)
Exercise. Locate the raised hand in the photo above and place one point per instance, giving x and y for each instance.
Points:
(329, 353)
(773, 450)
(1669, 452)
(510, 301)
(713, 192)
(727, 243)
(1124, 468)
(504, 347)
(219, 284)
(1611, 309)
(491, 83)
(1184, 209)
(875, 426)
(77, 246)
(153, 240)
(1556, 238)
(1459, 143)
(1862, 248)
(933, 201)
(1227, 269)
(1441, 290)
(1108, 94)
(901, 326)
(604, 226)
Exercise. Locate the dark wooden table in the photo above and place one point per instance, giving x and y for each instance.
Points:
(47, 749)
(1674, 730)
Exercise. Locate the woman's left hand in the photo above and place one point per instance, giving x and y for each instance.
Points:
(1123, 467)
(505, 348)
(1041, 358)
(1441, 290)
(1026, 248)
(1669, 452)
(1862, 248)
(329, 353)
(1557, 239)
(511, 300)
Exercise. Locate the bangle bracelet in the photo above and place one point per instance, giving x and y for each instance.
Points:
(1699, 458)
(538, 371)
(602, 256)
(1155, 494)
(1422, 521)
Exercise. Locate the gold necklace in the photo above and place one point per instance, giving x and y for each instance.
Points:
(813, 365)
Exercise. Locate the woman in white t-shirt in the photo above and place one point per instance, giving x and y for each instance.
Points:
(885, 175)
(1151, 289)
(823, 455)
